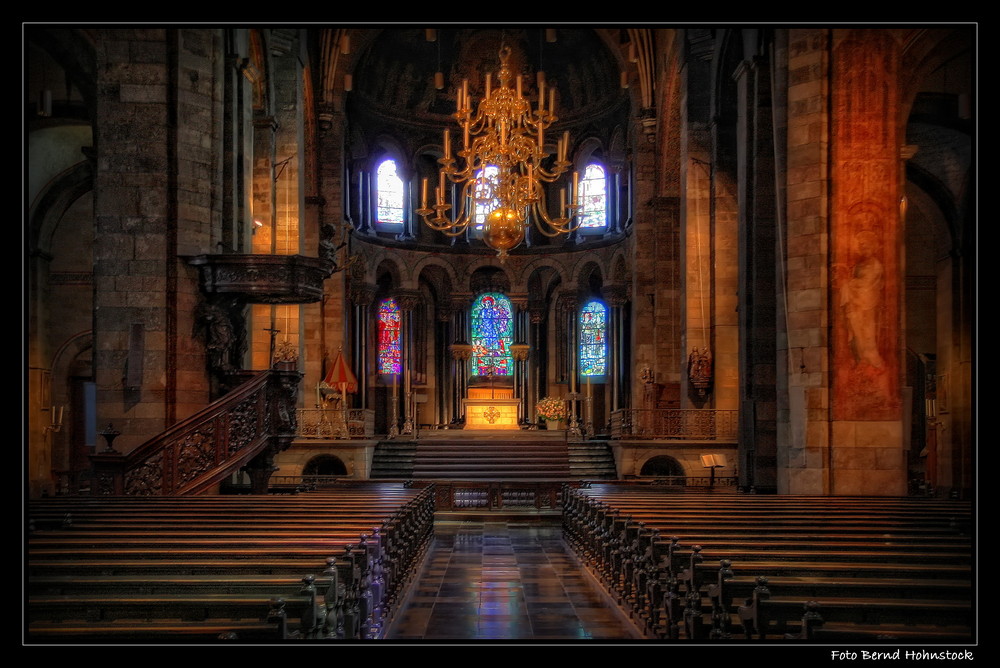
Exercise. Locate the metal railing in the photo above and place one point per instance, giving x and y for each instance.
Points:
(674, 423)
(333, 423)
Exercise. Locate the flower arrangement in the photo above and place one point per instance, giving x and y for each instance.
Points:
(551, 408)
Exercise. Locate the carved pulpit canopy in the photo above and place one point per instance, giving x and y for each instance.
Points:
(264, 279)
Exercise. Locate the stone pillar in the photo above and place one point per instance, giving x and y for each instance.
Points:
(568, 307)
(153, 204)
(616, 296)
(537, 369)
(460, 353)
(407, 301)
(867, 455)
(757, 266)
(362, 295)
(445, 380)
(803, 409)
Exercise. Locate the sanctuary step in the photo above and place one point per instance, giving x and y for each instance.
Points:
(484, 454)
(477, 457)
(591, 460)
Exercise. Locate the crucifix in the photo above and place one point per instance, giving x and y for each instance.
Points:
(274, 334)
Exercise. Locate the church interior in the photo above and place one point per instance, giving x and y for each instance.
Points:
(364, 300)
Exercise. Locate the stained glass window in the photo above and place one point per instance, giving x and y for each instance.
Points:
(390, 193)
(593, 193)
(389, 349)
(492, 335)
(593, 339)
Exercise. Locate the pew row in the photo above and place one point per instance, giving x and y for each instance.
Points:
(698, 566)
(330, 564)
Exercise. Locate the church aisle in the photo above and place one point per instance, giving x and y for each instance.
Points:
(504, 581)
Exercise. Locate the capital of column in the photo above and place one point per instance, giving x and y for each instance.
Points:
(444, 312)
(407, 300)
(519, 299)
(520, 351)
(615, 294)
(568, 300)
(536, 311)
(362, 294)
(461, 301)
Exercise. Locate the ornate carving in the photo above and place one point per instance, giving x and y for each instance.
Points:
(146, 479)
(268, 279)
(219, 322)
(537, 310)
(615, 294)
(407, 299)
(700, 370)
(283, 397)
(243, 423)
(362, 294)
(195, 453)
(104, 483)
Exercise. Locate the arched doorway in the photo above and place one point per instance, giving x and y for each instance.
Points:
(662, 466)
(324, 465)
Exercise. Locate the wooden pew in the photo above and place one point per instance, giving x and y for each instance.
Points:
(218, 567)
(863, 559)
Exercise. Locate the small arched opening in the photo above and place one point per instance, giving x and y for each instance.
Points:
(324, 465)
(662, 466)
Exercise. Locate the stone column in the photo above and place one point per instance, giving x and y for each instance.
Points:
(569, 309)
(460, 353)
(407, 301)
(362, 295)
(444, 380)
(537, 311)
(865, 306)
(616, 295)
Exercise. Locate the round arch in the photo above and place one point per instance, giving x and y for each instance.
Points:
(324, 465)
(661, 466)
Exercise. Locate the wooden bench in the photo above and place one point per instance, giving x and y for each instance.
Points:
(320, 564)
(891, 560)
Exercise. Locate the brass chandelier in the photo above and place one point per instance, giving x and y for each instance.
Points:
(501, 172)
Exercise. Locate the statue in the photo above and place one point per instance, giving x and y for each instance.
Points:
(700, 370)
(213, 323)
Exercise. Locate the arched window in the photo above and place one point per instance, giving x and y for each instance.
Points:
(492, 335)
(593, 339)
(389, 348)
(592, 192)
(390, 194)
(485, 203)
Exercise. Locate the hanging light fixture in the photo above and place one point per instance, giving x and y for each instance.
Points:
(500, 171)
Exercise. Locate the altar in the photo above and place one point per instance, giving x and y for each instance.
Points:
(492, 413)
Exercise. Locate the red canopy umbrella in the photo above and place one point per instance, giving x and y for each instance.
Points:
(340, 376)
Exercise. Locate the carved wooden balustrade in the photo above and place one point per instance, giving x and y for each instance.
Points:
(245, 428)
(676, 423)
(333, 423)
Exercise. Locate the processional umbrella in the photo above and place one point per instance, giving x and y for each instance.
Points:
(340, 376)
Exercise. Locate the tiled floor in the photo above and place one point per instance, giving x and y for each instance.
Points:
(499, 580)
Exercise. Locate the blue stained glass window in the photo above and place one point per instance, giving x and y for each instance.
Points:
(389, 349)
(592, 191)
(492, 335)
(593, 339)
(390, 193)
